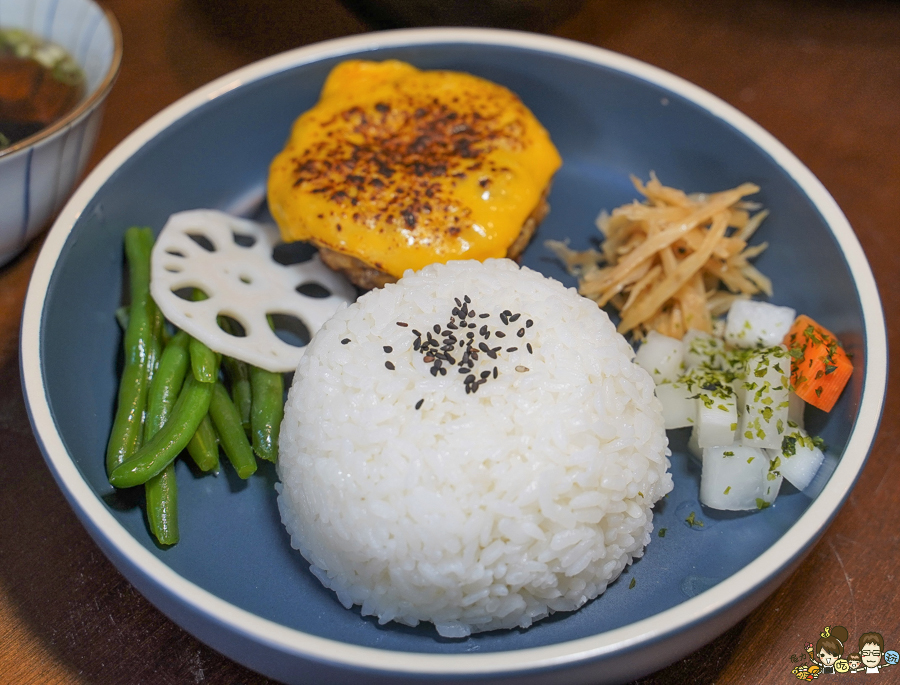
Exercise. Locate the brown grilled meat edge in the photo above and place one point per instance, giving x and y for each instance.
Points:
(368, 277)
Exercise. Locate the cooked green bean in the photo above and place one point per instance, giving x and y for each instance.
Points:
(234, 441)
(204, 446)
(204, 362)
(162, 491)
(125, 436)
(166, 383)
(266, 411)
(239, 378)
(155, 455)
(162, 505)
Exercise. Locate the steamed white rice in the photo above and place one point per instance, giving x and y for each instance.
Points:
(478, 510)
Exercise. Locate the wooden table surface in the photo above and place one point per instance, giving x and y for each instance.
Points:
(823, 76)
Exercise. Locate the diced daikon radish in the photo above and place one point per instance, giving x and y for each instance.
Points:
(693, 445)
(798, 459)
(661, 356)
(753, 324)
(678, 405)
(703, 349)
(737, 478)
(796, 410)
(717, 414)
(764, 413)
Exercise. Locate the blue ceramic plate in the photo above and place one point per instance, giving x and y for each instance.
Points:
(233, 580)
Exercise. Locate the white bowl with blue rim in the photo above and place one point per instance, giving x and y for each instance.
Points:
(233, 579)
(37, 173)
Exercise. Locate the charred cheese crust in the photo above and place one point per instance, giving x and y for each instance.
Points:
(396, 168)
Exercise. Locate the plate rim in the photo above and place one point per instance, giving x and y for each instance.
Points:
(777, 558)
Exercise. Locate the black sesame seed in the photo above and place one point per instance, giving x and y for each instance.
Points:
(389, 366)
(458, 303)
(455, 311)
(511, 349)
(500, 334)
(483, 330)
(470, 335)
(443, 371)
(495, 372)
(529, 323)
(345, 341)
(473, 325)
(483, 316)
(514, 318)
(485, 374)
(521, 332)
(528, 347)
(483, 347)
(417, 343)
(504, 318)
(388, 349)
(419, 404)
(492, 354)
(415, 332)
(452, 326)
(466, 298)
(436, 328)
(471, 313)
(434, 370)
(449, 359)
(470, 378)
(402, 324)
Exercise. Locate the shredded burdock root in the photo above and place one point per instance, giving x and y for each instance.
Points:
(674, 261)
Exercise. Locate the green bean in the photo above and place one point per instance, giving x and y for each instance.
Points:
(266, 411)
(155, 455)
(227, 421)
(162, 505)
(204, 362)
(166, 383)
(161, 492)
(239, 378)
(204, 446)
(125, 436)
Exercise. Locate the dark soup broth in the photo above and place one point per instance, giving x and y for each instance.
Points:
(39, 83)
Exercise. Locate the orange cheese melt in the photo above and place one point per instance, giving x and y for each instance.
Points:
(401, 168)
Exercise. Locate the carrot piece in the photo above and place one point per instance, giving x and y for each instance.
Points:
(819, 366)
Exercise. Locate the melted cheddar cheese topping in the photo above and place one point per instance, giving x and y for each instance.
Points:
(401, 168)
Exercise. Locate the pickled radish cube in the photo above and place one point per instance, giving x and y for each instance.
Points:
(717, 417)
(754, 324)
(736, 478)
(693, 445)
(796, 409)
(679, 407)
(798, 459)
(766, 386)
(703, 350)
(661, 356)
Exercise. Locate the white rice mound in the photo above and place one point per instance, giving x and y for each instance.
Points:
(476, 511)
